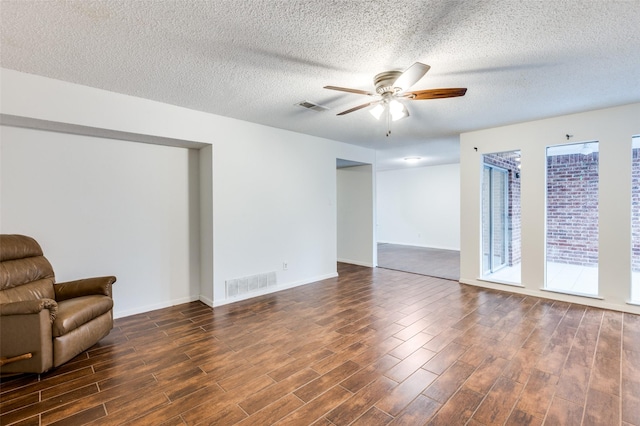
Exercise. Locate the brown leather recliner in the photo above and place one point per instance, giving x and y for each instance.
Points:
(44, 324)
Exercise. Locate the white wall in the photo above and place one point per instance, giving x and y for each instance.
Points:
(205, 234)
(613, 127)
(274, 202)
(270, 193)
(104, 207)
(355, 210)
(419, 206)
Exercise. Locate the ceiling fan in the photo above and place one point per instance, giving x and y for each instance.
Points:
(391, 88)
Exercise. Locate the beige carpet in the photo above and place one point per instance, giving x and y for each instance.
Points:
(420, 260)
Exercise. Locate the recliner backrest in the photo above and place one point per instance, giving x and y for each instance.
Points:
(25, 274)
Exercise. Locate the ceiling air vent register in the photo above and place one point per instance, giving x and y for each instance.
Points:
(312, 106)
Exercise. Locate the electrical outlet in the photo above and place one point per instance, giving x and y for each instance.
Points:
(285, 266)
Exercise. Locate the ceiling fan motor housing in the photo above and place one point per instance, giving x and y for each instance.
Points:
(385, 80)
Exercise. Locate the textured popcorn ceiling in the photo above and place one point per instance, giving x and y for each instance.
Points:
(255, 59)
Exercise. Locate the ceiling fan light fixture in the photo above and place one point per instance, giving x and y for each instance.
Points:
(397, 110)
(391, 86)
(377, 111)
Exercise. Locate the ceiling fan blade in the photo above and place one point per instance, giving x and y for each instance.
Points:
(411, 76)
(435, 93)
(359, 107)
(346, 89)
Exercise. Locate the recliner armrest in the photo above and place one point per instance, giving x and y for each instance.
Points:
(84, 287)
(26, 307)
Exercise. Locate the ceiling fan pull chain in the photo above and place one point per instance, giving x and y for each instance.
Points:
(388, 122)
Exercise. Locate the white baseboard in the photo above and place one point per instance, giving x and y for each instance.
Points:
(215, 303)
(419, 245)
(206, 300)
(270, 290)
(148, 308)
(356, 262)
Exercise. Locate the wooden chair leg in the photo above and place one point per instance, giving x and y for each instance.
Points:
(7, 360)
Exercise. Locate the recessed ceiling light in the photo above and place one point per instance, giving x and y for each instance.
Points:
(412, 159)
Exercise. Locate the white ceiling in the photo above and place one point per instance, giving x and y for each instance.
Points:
(256, 59)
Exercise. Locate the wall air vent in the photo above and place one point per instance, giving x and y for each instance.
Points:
(312, 106)
(238, 286)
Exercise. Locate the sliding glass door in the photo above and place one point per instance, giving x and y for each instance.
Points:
(495, 215)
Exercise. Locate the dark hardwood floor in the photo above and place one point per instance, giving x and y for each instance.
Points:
(371, 347)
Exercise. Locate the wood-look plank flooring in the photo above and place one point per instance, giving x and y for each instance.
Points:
(372, 347)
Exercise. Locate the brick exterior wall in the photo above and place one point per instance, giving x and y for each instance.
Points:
(635, 211)
(572, 209)
(505, 160)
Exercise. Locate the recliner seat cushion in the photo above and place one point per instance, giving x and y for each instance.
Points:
(73, 313)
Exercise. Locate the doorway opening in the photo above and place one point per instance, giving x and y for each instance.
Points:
(355, 241)
(418, 220)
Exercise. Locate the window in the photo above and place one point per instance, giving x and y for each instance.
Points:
(635, 220)
(501, 217)
(572, 219)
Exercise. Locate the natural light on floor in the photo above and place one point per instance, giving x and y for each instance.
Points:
(507, 275)
(560, 277)
(572, 278)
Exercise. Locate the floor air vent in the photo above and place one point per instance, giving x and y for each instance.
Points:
(240, 286)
